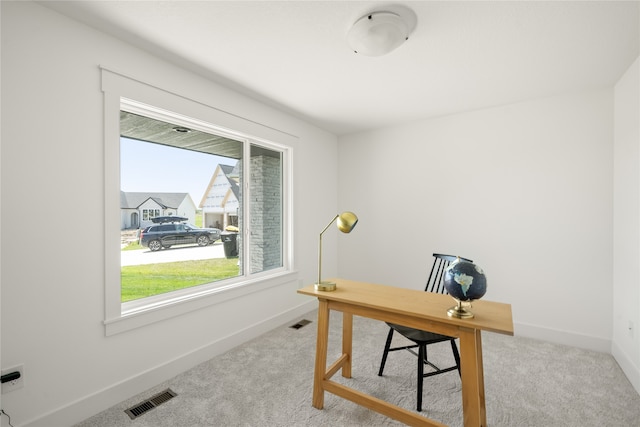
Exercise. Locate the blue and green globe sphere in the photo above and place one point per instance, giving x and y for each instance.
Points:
(465, 281)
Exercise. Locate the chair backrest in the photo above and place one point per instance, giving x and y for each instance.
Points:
(440, 263)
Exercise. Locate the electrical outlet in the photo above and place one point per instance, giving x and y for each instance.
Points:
(13, 384)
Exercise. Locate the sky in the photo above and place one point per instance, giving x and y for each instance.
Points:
(152, 167)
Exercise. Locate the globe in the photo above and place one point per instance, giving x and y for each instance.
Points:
(465, 281)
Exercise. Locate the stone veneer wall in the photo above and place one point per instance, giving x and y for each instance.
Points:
(265, 213)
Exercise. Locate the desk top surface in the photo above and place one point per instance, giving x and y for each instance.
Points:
(488, 315)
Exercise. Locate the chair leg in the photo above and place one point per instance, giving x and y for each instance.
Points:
(456, 355)
(421, 355)
(386, 351)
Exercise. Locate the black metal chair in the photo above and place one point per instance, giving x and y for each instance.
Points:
(421, 338)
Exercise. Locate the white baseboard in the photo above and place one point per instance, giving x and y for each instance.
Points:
(557, 336)
(86, 407)
(631, 370)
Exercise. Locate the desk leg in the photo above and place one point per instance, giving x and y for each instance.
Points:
(321, 353)
(473, 404)
(347, 342)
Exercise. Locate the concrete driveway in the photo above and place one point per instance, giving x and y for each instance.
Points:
(175, 253)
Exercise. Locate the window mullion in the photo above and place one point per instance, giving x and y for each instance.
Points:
(246, 197)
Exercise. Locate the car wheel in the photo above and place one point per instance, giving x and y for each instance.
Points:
(202, 240)
(155, 245)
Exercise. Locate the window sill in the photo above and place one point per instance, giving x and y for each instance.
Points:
(142, 315)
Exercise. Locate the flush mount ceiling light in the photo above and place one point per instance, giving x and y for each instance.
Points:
(181, 129)
(378, 33)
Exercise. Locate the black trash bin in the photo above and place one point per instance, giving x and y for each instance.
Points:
(230, 242)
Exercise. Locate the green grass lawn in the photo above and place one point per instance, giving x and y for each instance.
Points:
(140, 281)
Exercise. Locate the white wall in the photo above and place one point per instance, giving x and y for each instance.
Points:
(53, 266)
(626, 225)
(524, 190)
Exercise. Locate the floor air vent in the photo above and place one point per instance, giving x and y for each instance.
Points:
(149, 404)
(300, 324)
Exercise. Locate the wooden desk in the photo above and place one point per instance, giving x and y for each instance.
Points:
(417, 309)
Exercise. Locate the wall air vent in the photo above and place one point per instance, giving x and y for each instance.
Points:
(144, 407)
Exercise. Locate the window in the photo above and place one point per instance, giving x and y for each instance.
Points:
(203, 210)
(148, 214)
(172, 166)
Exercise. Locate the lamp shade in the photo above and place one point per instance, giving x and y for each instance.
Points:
(378, 33)
(347, 221)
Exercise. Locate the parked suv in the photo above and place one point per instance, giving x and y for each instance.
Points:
(165, 235)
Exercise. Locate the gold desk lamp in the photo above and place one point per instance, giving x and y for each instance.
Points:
(346, 222)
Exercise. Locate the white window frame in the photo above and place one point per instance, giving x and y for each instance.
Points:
(133, 95)
(146, 212)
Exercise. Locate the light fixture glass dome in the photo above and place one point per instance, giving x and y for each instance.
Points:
(378, 33)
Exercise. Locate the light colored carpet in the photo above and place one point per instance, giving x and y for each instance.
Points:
(267, 382)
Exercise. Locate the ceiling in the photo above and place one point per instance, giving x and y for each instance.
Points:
(461, 56)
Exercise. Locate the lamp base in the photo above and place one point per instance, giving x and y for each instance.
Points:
(460, 311)
(325, 286)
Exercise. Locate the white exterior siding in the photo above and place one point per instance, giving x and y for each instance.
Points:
(126, 222)
(219, 202)
(186, 209)
(151, 205)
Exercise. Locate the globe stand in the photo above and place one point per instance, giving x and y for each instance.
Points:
(460, 311)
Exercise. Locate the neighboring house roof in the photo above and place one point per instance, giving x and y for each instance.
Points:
(231, 173)
(233, 176)
(132, 200)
